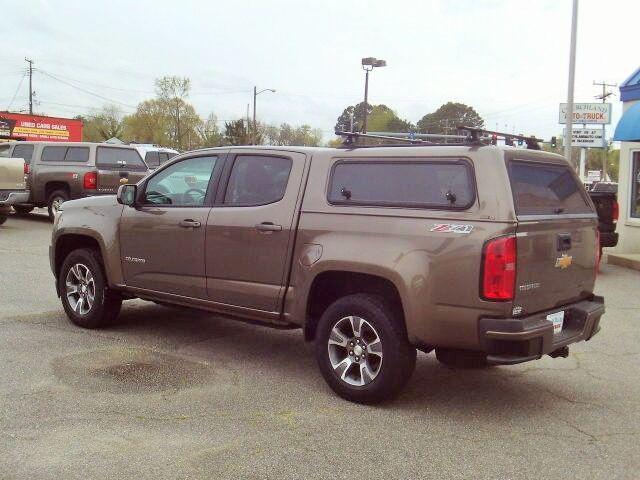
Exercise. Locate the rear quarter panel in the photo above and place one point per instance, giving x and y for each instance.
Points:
(437, 274)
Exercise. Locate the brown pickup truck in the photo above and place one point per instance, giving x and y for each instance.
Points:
(485, 254)
(61, 171)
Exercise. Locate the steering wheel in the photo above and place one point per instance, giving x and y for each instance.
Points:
(189, 198)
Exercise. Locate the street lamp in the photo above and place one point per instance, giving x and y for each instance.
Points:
(255, 94)
(368, 64)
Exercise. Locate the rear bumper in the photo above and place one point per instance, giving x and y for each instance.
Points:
(8, 198)
(516, 340)
(608, 239)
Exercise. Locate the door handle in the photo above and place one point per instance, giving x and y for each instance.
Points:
(188, 223)
(268, 227)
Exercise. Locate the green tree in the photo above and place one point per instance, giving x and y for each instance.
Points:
(344, 120)
(149, 124)
(448, 117)
(103, 125)
(285, 134)
(237, 132)
(210, 135)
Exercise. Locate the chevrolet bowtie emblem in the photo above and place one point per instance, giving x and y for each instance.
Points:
(124, 180)
(564, 261)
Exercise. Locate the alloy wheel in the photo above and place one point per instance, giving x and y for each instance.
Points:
(80, 289)
(355, 351)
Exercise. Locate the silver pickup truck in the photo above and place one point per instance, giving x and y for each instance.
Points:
(13, 187)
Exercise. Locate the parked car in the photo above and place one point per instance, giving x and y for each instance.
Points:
(153, 155)
(605, 198)
(13, 187)
(61, 171)
(485, 254)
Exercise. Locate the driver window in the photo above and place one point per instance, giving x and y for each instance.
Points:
(183, 184)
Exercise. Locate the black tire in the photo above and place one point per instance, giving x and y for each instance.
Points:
(3, 218)
(467, 359)
(22, 210)
(60, 196)
(106, 304)
(398, 355)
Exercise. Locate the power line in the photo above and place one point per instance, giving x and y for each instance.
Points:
(16, 92)
(85, 90)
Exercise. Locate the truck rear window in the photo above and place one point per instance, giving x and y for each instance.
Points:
(546, 189)
(122, 158)
(403, 183)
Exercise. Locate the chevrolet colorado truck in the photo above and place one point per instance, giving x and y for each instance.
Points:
(12, 185)
(61, 171)
(485, 254)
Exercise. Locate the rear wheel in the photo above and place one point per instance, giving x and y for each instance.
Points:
(362, 349)
(22, 210)
(83, 289)
(56, 199)
(456, 358)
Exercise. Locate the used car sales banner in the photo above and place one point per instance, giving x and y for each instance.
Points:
(41, 128)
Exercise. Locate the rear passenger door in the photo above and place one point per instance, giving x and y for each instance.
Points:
(117, 166)
(250, 229)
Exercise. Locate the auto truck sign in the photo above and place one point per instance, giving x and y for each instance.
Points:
(588, 113)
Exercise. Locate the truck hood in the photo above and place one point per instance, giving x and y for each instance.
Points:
(99, 201)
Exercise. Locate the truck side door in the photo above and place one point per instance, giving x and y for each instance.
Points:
(117, 166)
(162, 240)
(251, 229)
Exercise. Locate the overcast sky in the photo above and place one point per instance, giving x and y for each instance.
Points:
(506, 58)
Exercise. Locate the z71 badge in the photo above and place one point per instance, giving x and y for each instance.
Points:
(451, 228)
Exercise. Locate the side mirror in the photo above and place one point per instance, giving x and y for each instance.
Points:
(127, 194)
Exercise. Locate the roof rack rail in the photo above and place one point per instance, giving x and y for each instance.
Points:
(349, 138)
(476, 135)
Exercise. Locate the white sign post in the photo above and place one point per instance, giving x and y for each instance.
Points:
(590, 113)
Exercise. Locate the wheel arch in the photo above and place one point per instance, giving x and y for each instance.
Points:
(329, 285)
(70, 240)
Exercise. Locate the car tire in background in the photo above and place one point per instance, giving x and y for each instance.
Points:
(22, 210)
(57, 198)
(86, 299)
(362, 349)
(3, 218)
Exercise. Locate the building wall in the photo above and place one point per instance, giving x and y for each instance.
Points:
(628, 228)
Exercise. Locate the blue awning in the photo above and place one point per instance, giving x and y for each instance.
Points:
(628, 129)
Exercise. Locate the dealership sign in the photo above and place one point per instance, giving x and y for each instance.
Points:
(586, 137)
(587, 113)
(41, 128)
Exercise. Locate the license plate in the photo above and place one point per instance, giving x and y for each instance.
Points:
(557, 319)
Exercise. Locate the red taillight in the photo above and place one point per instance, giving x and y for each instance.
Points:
(499, 269)
(90, 180)
(615, 211)
(26, 168)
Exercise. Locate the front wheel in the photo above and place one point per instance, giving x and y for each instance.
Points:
(83, 289)
(362, 349)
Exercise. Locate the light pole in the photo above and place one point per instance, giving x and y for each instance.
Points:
(568, 133)
(368, 64)
(255, 126)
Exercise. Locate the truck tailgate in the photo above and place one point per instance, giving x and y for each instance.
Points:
(556, 263)
(12, 174)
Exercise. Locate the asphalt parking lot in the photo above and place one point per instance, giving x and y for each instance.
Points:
(167, 393)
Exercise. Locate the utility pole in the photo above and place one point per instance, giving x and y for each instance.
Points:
(604, 97)
(255, 125)
(568, 136)
(30, 62)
